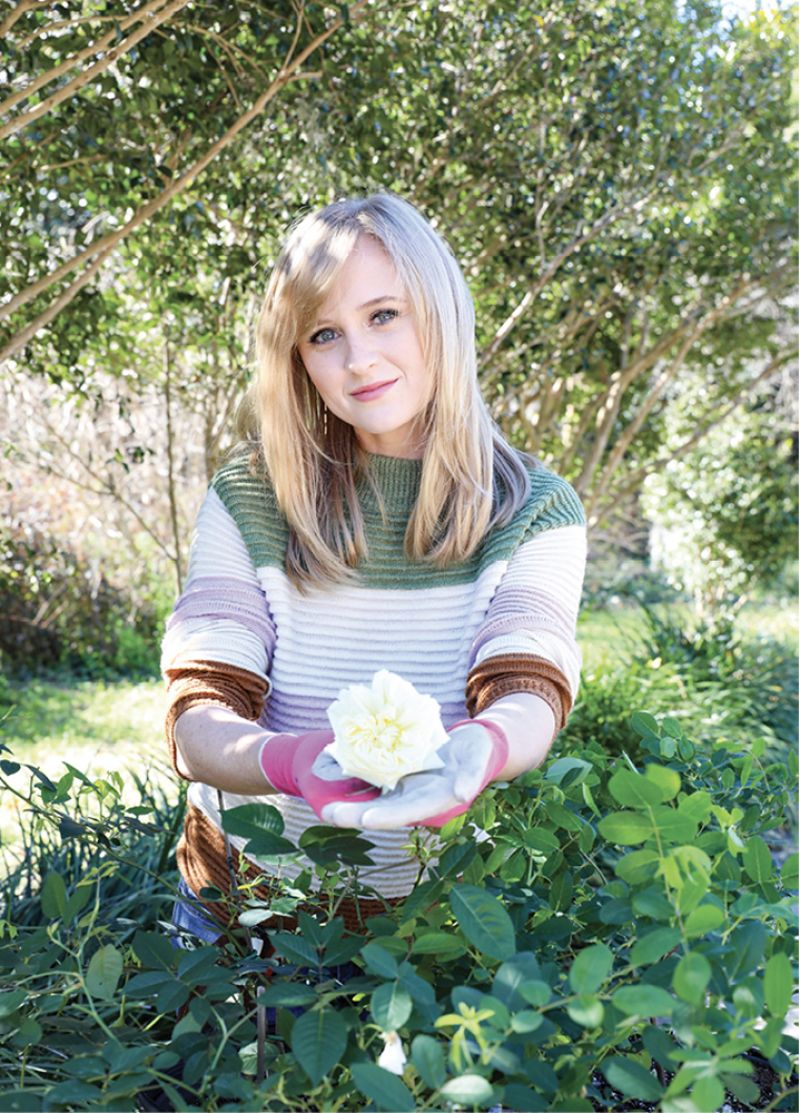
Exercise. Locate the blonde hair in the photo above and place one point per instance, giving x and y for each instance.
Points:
(471, 480)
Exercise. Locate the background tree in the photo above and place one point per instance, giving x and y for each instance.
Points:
(618, 185)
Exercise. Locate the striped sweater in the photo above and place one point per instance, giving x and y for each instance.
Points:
(503, 621)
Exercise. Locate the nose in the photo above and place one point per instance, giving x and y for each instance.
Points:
(359, 356)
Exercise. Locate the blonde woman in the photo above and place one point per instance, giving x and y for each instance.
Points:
(374, 518)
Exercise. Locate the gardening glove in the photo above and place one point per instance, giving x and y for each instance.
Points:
(295, 764)
(474, 754)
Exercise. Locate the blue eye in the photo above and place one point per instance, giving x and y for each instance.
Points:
(379, 317)
(322, 337)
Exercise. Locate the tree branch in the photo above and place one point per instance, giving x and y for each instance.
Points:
(17, 13)
(635, 479)
(110, 241)
(554, 265)
(73, 60)
(64, 298)
(71, 87)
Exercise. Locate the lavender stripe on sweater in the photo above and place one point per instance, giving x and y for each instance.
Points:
(226, 598)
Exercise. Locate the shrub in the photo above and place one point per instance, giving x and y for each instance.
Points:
(718, 683)
(621, 935)
(60, 611)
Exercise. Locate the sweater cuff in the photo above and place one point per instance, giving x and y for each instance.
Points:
(211, 682)
(517, 672)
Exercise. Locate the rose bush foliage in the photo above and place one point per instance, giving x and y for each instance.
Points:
(622, 933)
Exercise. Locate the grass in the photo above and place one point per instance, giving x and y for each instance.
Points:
(95, 725)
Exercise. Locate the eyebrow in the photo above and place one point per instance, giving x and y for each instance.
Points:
(367, 304)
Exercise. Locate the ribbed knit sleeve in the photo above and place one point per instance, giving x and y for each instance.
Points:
(220, 636)
(526, 642)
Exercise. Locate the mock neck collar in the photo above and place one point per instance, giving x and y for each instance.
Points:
(396, 478)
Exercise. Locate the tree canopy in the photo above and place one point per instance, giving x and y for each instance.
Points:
(616, 181)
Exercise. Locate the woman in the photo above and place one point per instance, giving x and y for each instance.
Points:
(375, 520)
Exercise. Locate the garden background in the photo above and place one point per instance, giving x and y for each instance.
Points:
(618, 181)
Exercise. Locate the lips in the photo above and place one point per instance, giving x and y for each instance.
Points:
(374, 390)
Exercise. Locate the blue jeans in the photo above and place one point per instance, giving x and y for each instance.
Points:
(189, 915)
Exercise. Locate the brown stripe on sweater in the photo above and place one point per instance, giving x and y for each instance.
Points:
(204, 682)
(519, 672)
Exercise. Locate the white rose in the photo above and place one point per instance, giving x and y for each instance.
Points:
(386, 731)
(393, 1057)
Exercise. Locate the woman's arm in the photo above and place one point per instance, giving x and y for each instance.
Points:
(218, 747)
(529, 725)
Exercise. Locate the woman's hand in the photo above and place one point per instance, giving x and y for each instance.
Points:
(473, 755)
(296, 764)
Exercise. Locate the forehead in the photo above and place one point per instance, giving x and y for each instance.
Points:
(367, 272)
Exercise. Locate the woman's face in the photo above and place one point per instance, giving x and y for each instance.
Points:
(364, 356)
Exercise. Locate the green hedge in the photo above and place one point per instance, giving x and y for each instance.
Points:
(623, 934)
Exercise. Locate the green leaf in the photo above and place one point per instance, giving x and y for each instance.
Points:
(778, 983)
(625, 828)
(667, 780)
(696, 806)
(261, 825)
(20, 1101)
(653, 946)
(746, 946)
(384, 1088)
(294, 947)
(153, 949)
(704, 918)
(632, 790)
(674, 825)
(252, 818)
(591, 968)
(645, 724)
(757, 860)
(691, 976)
(511, 975)
(428, 1057)
(643, 1000)
(789, 872)
(566, 771)
(523, 1098)
(54, 896)
(288, 995)
(708, 1093)
(636, 866)
(484, 921)
(631, 1079)
(467, 1089)
(391, 1006)
(379, 961)
(536, 993)
(586, 1011)
(73, 1093)
(441, 943)
(318, 1040)
(104, 973)
(10, 1001)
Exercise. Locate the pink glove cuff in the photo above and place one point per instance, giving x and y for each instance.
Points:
(276, 759)
(496, 763)
(286, 761)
